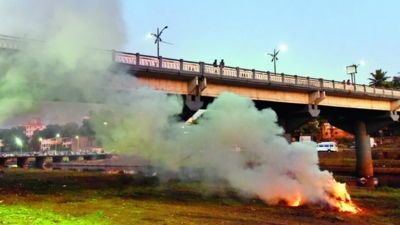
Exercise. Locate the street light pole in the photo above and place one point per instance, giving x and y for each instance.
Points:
(77, 137)
(158, 39)
(57, 136)
(274, 56)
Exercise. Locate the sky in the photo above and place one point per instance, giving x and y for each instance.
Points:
(322, 37)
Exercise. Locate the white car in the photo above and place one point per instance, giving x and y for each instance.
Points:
(327, 147)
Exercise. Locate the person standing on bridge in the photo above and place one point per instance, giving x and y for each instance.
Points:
(348, 82)
(215, 64)
(222, 63)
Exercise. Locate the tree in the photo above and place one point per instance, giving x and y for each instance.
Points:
(69, 130)
(378, 78)
(396, 82)
(9, 138)
(87, 129)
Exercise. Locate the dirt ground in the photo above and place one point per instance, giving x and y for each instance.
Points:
(59, 197)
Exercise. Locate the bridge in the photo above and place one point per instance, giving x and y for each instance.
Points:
(57, 157)
(357, 109)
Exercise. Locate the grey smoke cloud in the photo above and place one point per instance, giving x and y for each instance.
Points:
(64, 69)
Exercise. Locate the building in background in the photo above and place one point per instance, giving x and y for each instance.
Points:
(330, 132)
(34, 125)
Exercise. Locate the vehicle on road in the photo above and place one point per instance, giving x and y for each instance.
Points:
(327, 147)
(373, 143)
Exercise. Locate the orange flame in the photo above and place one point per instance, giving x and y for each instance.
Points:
(296, 203)
(344, 203)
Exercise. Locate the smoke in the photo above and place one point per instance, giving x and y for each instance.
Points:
(64, 69)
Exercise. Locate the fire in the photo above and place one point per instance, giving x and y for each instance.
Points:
(296, 203)
(342, 199)
(344, 203)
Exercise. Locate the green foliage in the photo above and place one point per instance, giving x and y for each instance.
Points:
(396, 82)
(339, 179)
(378, 78)
(9, 135)
(87, 129)
(69, 130)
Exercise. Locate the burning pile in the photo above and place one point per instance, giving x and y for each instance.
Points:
(340, 199)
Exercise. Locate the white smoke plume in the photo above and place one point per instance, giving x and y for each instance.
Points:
(64, 69)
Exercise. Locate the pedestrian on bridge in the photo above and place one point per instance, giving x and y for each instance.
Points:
(348, 82)
(222, 63)
(215, 64)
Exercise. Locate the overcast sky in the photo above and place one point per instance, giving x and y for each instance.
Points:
(322, 37)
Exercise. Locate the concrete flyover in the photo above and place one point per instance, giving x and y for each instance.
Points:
(358, 109)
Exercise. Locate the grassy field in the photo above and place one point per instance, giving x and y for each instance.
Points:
(57, 197)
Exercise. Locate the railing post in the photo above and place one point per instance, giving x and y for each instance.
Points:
(283, 77)
(237, 71)
(254, 73)
(308, 81)
(383, 90)
(296, 80)
(333, 84)
(374, 90)
(321, 83)
(181, 64)
(269, 76)
(365, 89)
(160, 62)
(392, 93)
(113, 55)
(138, 59)
(201, 64)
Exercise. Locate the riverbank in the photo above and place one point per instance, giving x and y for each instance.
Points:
(39, 197)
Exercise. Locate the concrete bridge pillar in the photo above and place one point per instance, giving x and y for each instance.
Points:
(40, 161)
(3, 162)
(73, 157)
(58, 159)
(22, 162)
(89, 157)
(363, 150)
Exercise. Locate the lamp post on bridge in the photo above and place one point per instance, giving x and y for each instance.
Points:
(274, 56)
(352, 70)
(40, 141)
(77, 138)
(18, 141)
(158, 39)
(57, 136)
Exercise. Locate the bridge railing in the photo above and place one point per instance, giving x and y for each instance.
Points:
(16, 43)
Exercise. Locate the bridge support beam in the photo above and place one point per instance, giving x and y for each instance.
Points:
(58, 159)
(364, 166)
(40, 161)
(294, 120)
(3, 162)
(22, 162)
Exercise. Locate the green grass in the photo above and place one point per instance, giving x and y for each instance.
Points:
(58, 197)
